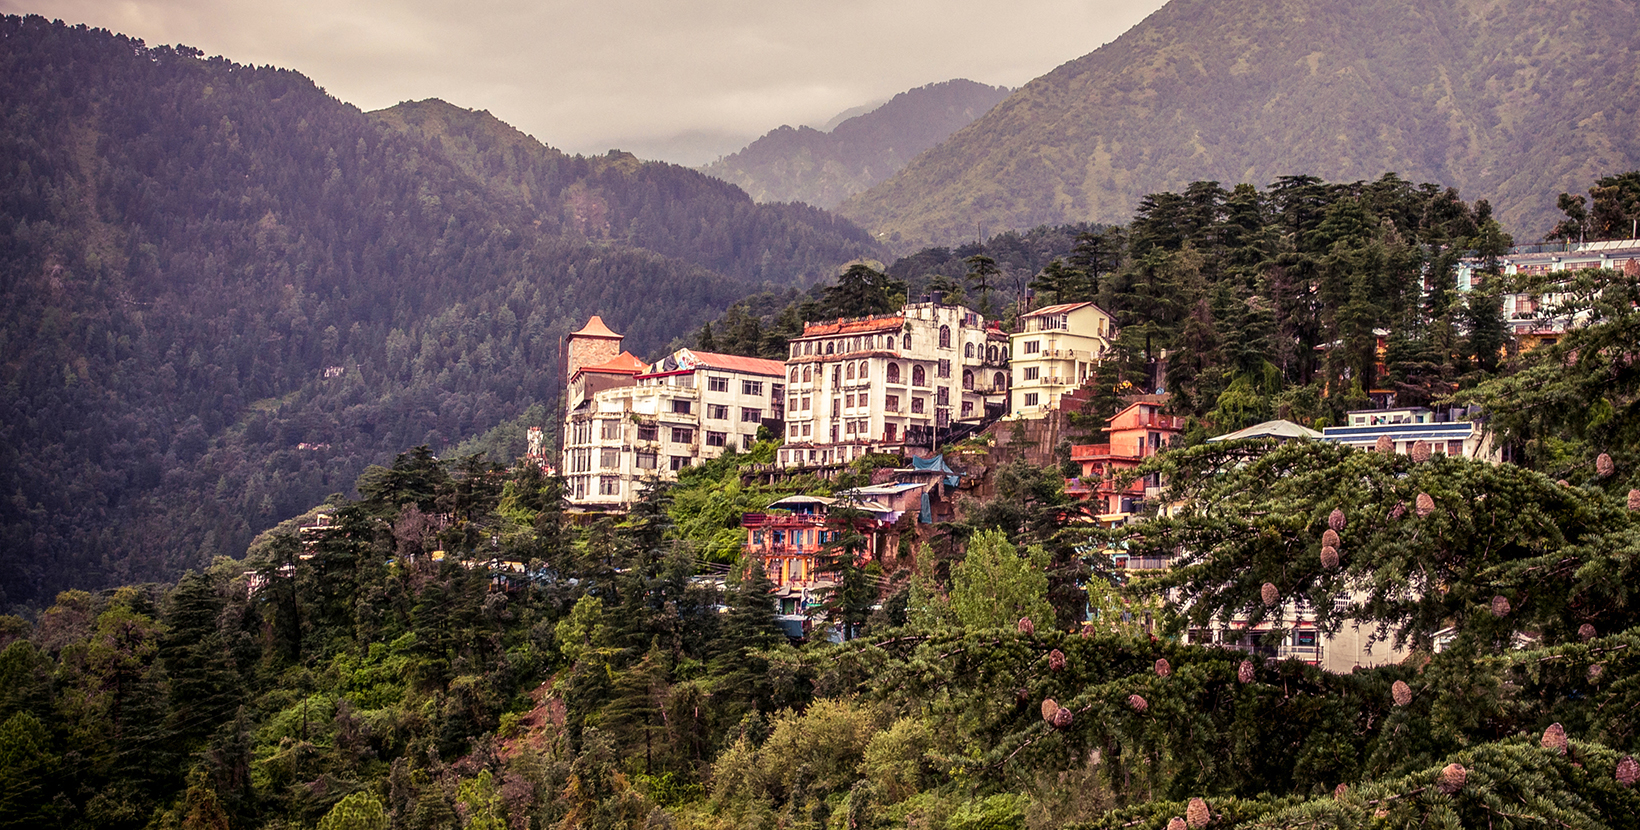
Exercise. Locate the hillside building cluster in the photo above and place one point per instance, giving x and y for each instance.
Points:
(906, 383)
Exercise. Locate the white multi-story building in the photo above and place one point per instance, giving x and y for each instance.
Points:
(1055, 352)
(882, 383)
(688, 407)
(1450, 432)
(1533, 319)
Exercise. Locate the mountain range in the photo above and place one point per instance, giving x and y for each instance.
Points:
(224, 293)
(824, 167)
(1508, 100)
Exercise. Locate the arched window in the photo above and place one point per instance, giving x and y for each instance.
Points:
(794, 374)
(865, 370)
(831, 347)
(991, 354)
(998, 381)
(919, 377)
(849, 372)
(905, 342)
(968, 350)
(945, 337)
(807, 376)
(808, 348)
(794, 349)
(967, 379)
(893, 373)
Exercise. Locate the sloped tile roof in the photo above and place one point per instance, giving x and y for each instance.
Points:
(689, 359)
(855, 326)
(1058, 309)
(595, 328)
(623, 363)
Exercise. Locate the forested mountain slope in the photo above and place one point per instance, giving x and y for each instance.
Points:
(617, 198)
(825, 167)
(1511, 100)
(223, 292)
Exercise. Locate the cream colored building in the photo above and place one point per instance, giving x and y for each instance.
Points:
(1054, 352)
(882, 383)
(686, 408)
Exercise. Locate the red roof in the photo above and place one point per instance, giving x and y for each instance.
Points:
(689, 360)
(595, 328)
(1058, 309)
(622, 364)
(858, 325)
(736, 363)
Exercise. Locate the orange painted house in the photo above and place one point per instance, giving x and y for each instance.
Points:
(1136, 433)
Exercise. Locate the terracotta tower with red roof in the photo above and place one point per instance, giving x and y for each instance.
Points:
(592, 345)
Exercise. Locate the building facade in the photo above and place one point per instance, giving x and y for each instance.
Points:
(1054, 353)
(885, 383)
(1137, 432)
(1447, 432)
(1530, 318)
(686, 408)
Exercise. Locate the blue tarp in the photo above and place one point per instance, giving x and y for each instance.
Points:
(937, 463)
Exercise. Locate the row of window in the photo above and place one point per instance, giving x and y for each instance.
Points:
(796, 536)
(861, 370)
(847, 345)
(610, 430)
(715, 383)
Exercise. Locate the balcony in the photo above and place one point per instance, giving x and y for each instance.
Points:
(1124, 562)
(1089, 452)
(1153, 421)
(753, 520)
(809, 551)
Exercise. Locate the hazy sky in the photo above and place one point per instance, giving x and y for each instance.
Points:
(587, 76)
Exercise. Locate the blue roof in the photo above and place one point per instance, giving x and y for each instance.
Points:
(1444, 431)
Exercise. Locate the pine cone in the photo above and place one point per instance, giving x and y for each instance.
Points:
(1384, 444)
(1425, 505)
(1451, 778)
(1056, 660)
(1163, 668)
(1197, 814)
(1335, 520)
(1628, 771)
(1244, 672)
(1603, 465)
(1586, 631)
(1420, 451)
(1554, 739)
(1340, 791)
(1500, 606)
(1049, 707)
(1062, 718)
(1564, 483)
(1399, 510)
(1026, 626)
(1329, 538)
(1138, 703)
(1329, 558)
(1400, 692)
(1595, 671)
(1634, 499)
(1088, 629)
(1176, 823)
(1269, 594)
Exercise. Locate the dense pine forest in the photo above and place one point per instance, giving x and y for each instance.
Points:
(223, 292)
(266, 359)
(390, 670)
(393, 669)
